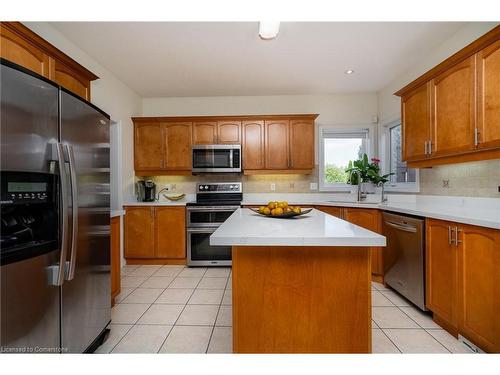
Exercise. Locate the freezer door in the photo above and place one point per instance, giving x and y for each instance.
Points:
(86, 294)
(29, 120)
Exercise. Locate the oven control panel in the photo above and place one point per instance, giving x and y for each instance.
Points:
(222, 187)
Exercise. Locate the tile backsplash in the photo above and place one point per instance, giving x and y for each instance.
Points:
(477, 179)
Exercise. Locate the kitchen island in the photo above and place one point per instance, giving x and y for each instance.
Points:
(300, 285)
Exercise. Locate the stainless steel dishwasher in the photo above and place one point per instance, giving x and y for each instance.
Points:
(404, 256)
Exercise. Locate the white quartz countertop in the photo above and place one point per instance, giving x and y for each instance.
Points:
(247, 228)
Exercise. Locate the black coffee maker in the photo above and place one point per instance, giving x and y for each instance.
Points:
(146, 191)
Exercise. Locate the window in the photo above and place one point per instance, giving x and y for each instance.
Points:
(337, 148)
(404, 178)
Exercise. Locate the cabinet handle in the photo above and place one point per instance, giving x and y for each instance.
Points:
(430, 147)
(457, 241)
(476, 137)
(449, 236)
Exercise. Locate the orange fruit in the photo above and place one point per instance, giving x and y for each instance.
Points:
(267, 211)
(278, 211)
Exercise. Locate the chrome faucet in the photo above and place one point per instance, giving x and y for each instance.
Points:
(361, 195)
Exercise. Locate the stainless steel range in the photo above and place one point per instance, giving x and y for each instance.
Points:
(215, 202)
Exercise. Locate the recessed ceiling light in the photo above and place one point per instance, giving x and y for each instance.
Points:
(349, 71)
(269, 29)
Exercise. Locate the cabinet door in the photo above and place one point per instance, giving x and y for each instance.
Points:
(479, 285)
(277, 142)
(71, 80)
(301, 144)
(177, 137)
(453, 109)
(441, 271)
(139, 232)
(368, 219)
(170, 232)
(229, 132)
(416, 123)
(334, 211)
(253, 144)
(488, 89)
(18, 50)
(115, 258)
(205, 133)
(148, 146)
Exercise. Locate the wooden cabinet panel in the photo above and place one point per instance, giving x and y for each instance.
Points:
(334, 211)
(69, 79)
(139, 232)
(301, 144)
(177, 139)
(148, 146)
(115, 258)
(416, 123)
(170, 232)
(488, 96)
(453, 109)
(441, 271)
(205, 133)
(228, 132)
(479, 285)
(20, 51)
(277, 144)
(253, 144)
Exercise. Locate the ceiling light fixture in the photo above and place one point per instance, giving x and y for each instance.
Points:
(349, 71)
(269, 29)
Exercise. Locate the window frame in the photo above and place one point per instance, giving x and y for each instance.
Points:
(370, 147)
(385, 147)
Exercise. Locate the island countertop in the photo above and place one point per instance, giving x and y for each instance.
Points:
(247, 228)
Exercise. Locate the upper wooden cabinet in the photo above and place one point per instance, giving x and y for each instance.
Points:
(205, 133)
(301, 144)
(488, 97)
(451, 114)
(253, 145)
(229, 132)
(216, 132)
(277, 144)
(148, 146)
(22, 46)
(177, 140)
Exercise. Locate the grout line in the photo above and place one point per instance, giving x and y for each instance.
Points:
(393, 343)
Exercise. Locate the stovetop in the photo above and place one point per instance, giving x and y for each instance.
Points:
(218, 194)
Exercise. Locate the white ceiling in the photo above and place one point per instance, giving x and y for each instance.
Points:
(222, 58)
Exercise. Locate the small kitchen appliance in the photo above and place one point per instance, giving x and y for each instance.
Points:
(146, 191)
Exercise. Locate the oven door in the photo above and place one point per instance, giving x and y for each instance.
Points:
(201, 253)
(208, 217)
(215, 158)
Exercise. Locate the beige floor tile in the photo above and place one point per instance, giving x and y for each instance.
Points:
(374, 325)
(128, 269)
(378, 299)
(124, 292)
(450, 342)
(161, 314)
(381, 343)
(395, 298)
(143, 295)
(193, 272)
(185, 283)
(175, 296)
(228, 297)
(225, 317)
(198, 315)
(379, 286)
(221, 340)
(132, 281)
(128, 313)
(144, 271)
(143, 339)
(414, 341)
(187, 339)
(157, 282)
(206, 297)
(117, 331)
(229, 284)
(218, 272)
(392, 317)
(422, 319)
(212, 283)
(169, 271)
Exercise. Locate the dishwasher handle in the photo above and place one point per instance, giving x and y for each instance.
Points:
(403, 227)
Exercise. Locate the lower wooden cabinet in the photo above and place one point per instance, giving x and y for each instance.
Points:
(115, 258)
(463, 280)
(155, 233)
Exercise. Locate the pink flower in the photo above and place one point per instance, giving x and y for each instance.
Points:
(375, 160)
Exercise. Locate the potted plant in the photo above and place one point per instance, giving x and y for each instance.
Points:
(368, 173)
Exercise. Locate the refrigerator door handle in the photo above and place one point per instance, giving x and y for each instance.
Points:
(74, 204)
(58, 279)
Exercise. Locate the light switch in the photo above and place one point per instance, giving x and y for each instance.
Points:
(273, 186)
(313, 186)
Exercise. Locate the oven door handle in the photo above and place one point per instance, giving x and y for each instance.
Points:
(201, 230)
(213, 209)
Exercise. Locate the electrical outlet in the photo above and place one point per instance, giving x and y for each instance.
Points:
(292, 185)
(446, 183)
(174, 187)
(167, 187)
(273, 186)
(313, 186)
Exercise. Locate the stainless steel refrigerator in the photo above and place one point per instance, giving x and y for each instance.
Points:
(55, 207)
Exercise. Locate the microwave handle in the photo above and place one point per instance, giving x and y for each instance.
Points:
(231, 158)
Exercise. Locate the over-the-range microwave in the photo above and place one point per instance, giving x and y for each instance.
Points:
(216, 158)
